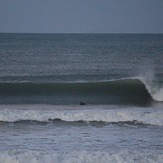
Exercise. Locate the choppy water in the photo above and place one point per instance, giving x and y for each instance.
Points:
(43, 79)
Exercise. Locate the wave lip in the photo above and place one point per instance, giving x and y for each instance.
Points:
(151, 117)
(155, 89)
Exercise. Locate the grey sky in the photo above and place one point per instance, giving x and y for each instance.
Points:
(81, 16)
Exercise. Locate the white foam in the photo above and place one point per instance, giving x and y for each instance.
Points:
(81, 157)
(87, 113)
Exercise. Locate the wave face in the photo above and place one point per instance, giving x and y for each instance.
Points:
(100, 114)
(125, 91)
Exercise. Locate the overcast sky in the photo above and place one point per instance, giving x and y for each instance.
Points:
(81, 16)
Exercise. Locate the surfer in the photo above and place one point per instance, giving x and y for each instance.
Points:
(82, 103)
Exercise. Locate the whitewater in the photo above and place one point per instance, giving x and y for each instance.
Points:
(100, 113)
(74, 133)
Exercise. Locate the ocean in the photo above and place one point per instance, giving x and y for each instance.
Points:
(45, 77)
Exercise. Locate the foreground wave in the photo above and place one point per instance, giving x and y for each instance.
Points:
(88, 114)
(80, 157)
(137, 91)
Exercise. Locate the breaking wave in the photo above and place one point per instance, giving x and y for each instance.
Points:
(137, 91)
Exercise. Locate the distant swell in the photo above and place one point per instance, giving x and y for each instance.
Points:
(125, 91)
